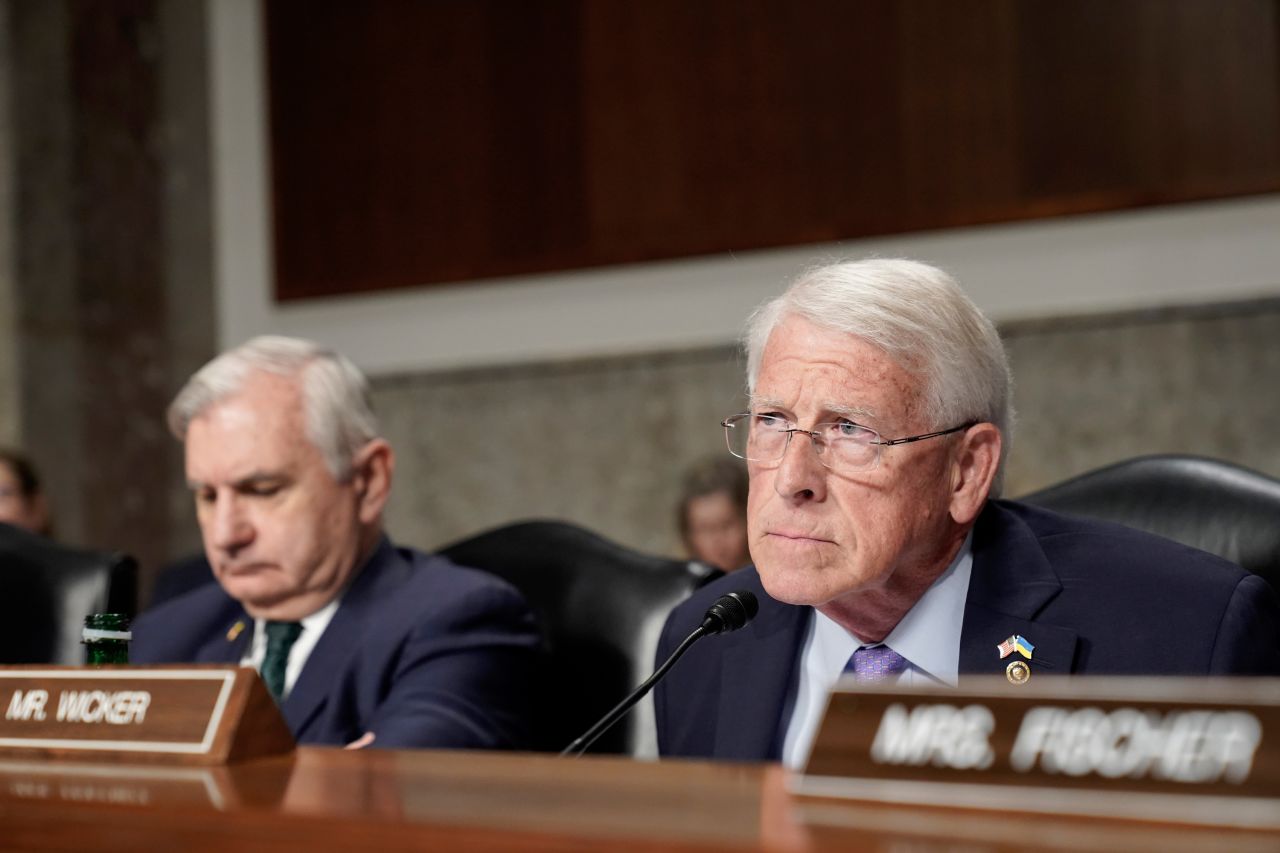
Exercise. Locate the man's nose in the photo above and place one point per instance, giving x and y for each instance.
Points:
(801, 475)
(229, 524)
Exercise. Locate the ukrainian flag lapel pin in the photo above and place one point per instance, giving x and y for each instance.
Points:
(1017, 672)
(235, 631)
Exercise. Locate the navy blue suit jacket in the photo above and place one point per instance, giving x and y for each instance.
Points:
(1094, 598)
(421, 652)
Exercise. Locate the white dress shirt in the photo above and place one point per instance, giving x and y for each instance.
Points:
(312, 627)
(928, 637)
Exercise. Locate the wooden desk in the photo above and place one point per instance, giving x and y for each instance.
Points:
(329, 799)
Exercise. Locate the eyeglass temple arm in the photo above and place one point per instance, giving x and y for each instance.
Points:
(912, 438)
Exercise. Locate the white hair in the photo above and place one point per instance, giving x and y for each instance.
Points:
(919, 316)
(337, 411)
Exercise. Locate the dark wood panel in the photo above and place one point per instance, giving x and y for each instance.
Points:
(440, 140)
(416, 139)
(1149, 101)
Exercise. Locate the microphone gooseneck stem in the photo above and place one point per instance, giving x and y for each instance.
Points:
(583, 743)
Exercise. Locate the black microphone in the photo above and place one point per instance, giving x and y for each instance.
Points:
(729, 612)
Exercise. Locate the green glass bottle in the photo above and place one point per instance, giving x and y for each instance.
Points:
(106, 638)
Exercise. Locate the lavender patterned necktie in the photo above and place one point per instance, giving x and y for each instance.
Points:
(877, 663)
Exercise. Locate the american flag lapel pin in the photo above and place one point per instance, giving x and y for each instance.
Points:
(1016, 643)
(1016, 672)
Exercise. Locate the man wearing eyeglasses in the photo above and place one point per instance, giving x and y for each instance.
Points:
(879, 420)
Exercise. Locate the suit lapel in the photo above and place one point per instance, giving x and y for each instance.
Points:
(341, 639)
(232, 644)
(1011, 583)
(755, 680)
(985, 629)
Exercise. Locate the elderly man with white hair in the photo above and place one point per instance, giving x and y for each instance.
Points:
(879, 419)
(362, 643)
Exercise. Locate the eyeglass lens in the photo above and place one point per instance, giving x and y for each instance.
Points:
(764, 438)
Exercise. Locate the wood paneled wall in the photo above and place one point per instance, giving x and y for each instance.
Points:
(423, 141)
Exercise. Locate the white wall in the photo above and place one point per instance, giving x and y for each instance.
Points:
(1158, 256)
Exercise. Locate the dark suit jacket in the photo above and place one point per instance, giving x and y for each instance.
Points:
(422, 652)
(1093, 598)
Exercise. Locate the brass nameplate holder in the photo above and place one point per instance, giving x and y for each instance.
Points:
(185, 715)
(1189, 750)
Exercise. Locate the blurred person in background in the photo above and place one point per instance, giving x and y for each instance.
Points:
(712, 513)
(22, 502)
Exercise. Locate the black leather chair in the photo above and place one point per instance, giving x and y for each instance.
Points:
(180, 577)
(602, 608)
(1206, 503)
(48, 588)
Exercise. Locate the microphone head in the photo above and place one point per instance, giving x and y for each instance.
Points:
(730, 612)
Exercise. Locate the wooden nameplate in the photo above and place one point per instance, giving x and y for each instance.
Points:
(1192, 750)
(198, 714)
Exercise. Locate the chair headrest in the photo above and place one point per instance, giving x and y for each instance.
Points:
(1216, 506)
(57, 586)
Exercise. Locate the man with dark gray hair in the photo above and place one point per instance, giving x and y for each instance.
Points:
(879, 420)
(361, 642)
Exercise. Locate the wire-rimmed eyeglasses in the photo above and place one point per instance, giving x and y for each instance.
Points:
(840, 445)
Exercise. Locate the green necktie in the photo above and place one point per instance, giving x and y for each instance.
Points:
(280, 638)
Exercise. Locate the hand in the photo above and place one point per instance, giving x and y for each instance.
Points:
(361, 742)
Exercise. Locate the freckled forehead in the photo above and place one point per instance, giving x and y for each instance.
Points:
(805, 364)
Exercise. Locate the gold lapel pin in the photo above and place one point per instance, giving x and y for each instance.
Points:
(1018, 672)
(235, 631)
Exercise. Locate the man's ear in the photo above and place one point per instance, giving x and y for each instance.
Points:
(973, 470)
(371, 471)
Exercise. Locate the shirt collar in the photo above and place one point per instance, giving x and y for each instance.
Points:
(928, 636)
(321, 617)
